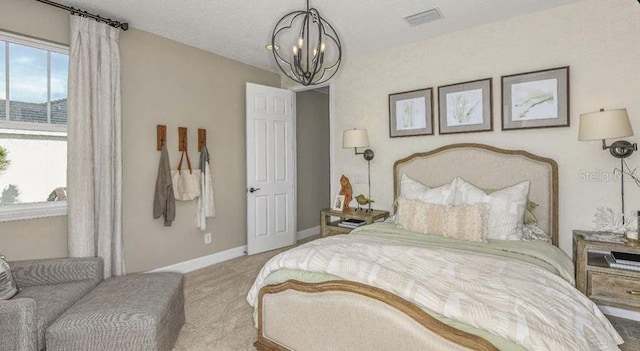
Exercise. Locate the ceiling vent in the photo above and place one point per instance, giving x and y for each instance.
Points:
(424, 17)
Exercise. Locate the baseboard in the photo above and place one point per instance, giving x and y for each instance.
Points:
(303, 234)
(204, 261)
(620, 312)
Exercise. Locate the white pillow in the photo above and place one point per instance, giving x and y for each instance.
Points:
(505, 207)
(412, 189)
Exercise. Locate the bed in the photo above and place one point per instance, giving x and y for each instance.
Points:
(368, 290)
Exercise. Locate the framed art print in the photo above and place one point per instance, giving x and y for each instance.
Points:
(411, 113)
(537, 99)
(465, 107)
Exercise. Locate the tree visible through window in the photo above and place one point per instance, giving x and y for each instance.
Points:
(33, 120)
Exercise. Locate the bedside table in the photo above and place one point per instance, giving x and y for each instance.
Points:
(601, 283)
(327, 227)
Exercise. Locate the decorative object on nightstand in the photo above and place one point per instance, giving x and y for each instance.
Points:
(597, 279)
(363, 201)
(611, 124)
(346, 190)
(608, 220)
(342, 225)
(355, 138)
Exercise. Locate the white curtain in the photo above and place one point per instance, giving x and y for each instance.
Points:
(94, 156)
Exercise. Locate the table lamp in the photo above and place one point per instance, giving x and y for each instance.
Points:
(611, 124)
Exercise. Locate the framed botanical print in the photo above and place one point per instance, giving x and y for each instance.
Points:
(411, 113)
(537, 99)
(465, 107)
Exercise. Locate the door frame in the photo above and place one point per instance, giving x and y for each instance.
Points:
(333, 183)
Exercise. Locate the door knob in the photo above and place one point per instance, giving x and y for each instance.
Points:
(253, 190)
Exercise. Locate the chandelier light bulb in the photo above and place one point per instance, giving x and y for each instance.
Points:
(322, 47)
(295, 50)
(300, 42)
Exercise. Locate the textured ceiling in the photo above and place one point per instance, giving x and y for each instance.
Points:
(240, 29)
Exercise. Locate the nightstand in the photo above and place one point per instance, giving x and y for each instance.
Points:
(601, 283)
(328, 227)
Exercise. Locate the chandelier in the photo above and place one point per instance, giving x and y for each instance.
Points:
(311, 50)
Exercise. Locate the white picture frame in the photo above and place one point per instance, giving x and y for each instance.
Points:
(338, 203)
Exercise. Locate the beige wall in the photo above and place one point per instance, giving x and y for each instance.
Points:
(312, 139)
(597, 38)
(163, 82)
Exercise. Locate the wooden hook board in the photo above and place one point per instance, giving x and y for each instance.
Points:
(161, 136)
(182, 139)
(202, 139)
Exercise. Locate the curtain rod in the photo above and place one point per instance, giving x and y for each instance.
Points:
(75, 11)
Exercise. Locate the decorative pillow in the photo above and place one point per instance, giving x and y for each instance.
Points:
(8, 286)
(505, 207)
(533, 232)
(421, 217)
(466, 222)
(412, 189)
(529, 217)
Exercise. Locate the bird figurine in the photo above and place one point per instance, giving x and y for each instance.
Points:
(363, 200)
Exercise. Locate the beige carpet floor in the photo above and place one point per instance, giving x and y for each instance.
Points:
(219, 318)
(217, 314)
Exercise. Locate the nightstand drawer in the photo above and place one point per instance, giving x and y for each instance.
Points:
(614, 289)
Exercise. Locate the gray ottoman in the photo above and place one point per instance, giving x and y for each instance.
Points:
(134, 312)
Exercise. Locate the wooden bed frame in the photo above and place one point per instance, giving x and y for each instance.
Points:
(345, 315)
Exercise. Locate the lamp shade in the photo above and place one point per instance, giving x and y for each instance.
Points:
(355, 138)
(605, 125)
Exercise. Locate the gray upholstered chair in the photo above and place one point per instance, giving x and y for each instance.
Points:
(47, 289)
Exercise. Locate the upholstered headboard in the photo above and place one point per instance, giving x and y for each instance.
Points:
(488, 167)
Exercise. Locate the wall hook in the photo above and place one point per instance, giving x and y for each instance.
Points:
(202, 139)
(161, 138)
(182, 139)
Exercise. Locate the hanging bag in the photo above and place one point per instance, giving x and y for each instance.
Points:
(186, 186)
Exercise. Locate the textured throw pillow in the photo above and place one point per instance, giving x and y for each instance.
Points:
(421, 217)
(412, 189)
(466, 222)
(8, 286)
(505, 207)
(533, 232)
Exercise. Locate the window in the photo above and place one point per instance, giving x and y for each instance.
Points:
(33, 127)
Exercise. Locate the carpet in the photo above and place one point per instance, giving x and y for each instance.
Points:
(217, 315)
(219, 318)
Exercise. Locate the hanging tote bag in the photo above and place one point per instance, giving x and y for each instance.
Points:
(186, 185)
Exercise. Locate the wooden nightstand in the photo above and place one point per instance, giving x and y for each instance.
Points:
(601, 283)
(327, 227)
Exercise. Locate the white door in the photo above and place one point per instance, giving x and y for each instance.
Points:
(270, 168)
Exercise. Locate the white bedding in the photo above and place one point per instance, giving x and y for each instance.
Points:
(519, 301)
